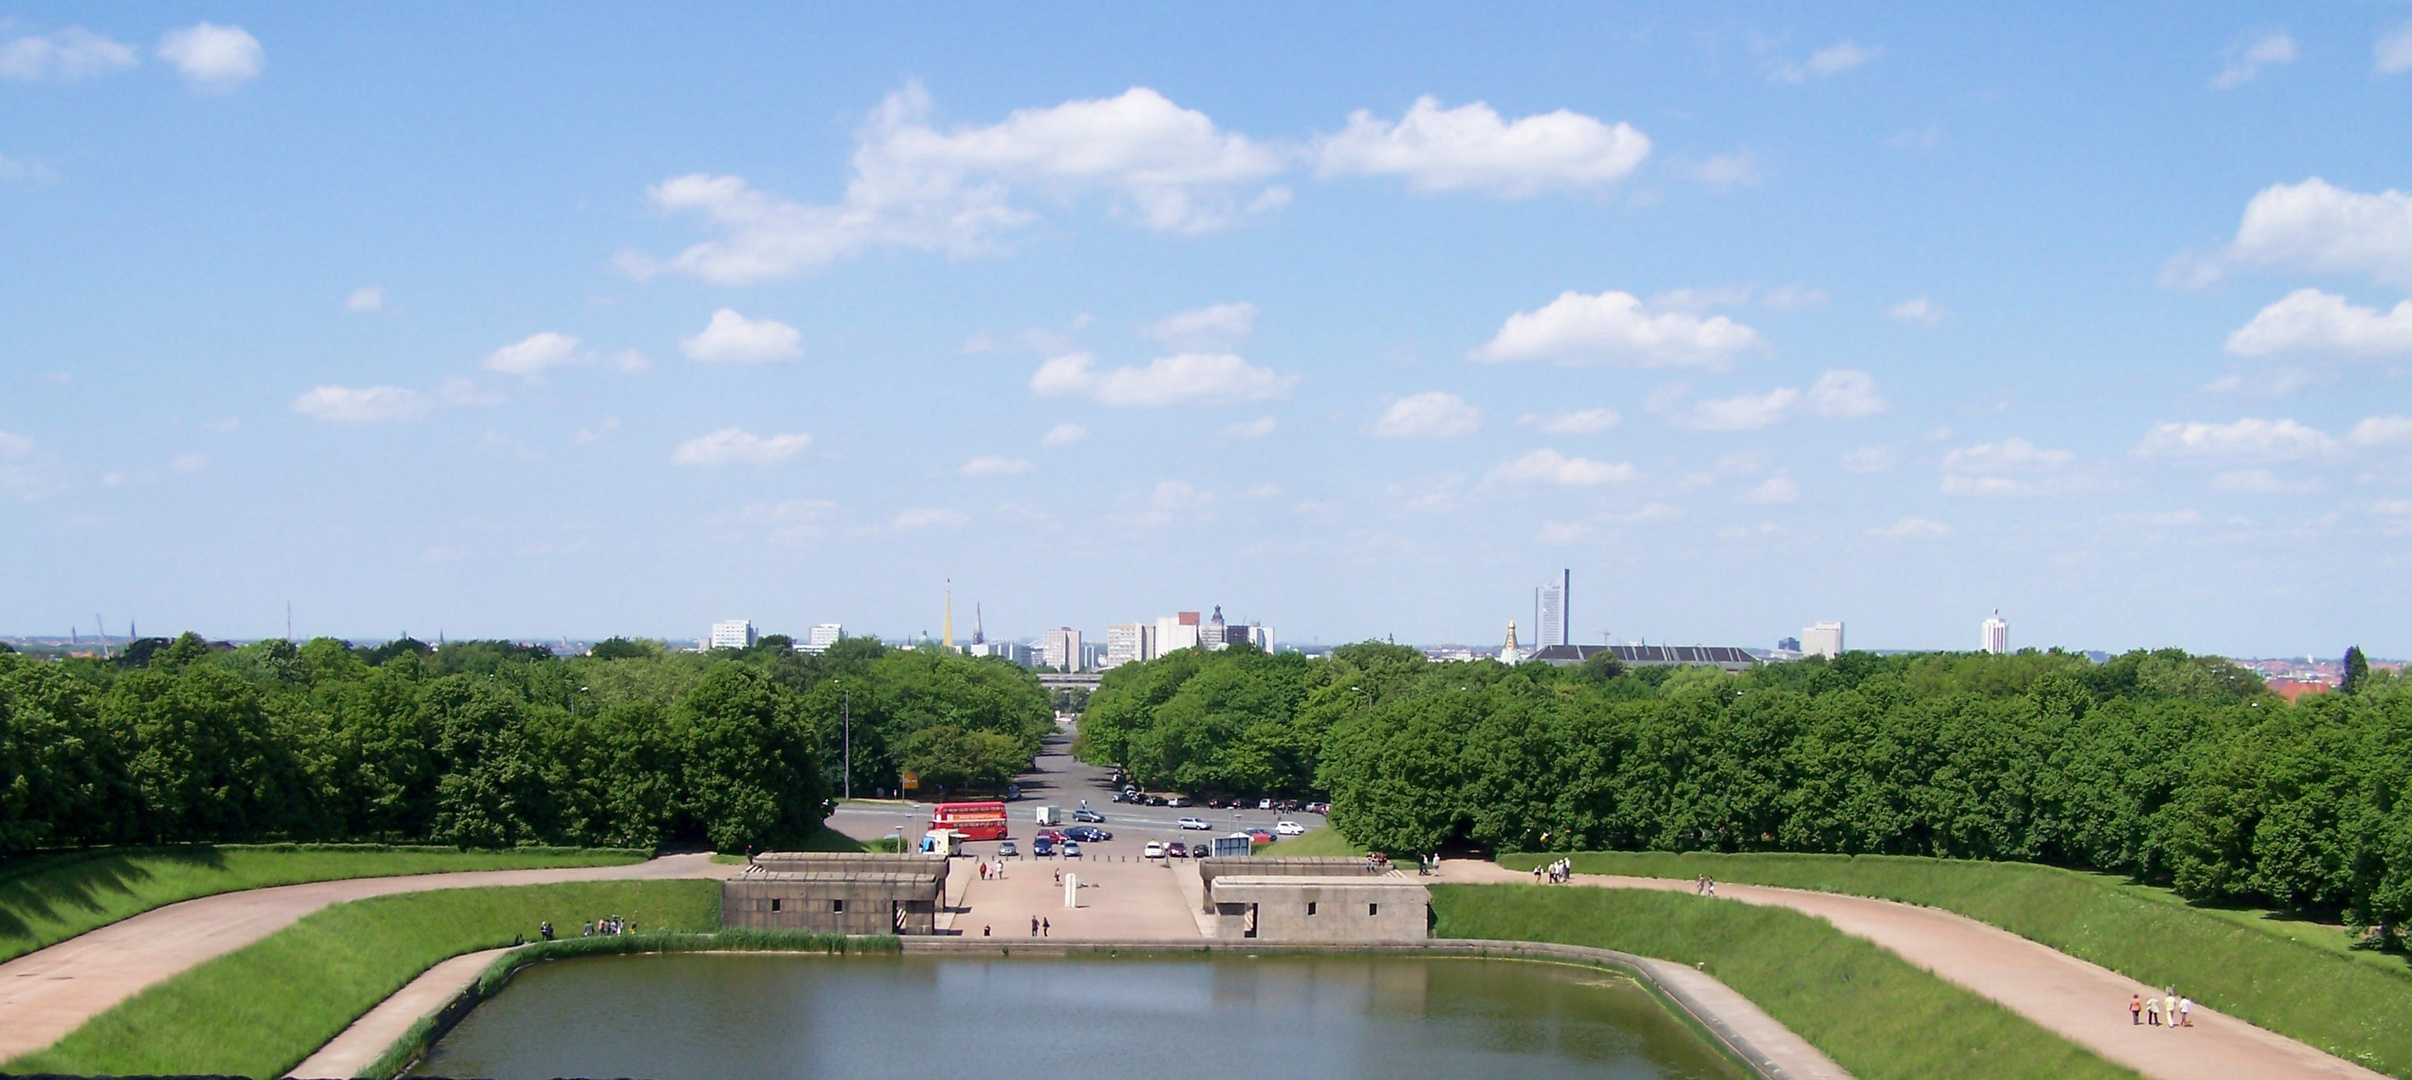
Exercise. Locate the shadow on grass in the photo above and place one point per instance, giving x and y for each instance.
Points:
(41, 888)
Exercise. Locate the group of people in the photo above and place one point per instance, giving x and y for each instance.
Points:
(1705, 885)
(1557, 873)
(992, 871)
(607, 926)
(2165, 1009)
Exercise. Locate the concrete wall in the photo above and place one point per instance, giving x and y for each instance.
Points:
(846, 893)
(1321, 909)
(1286, 866)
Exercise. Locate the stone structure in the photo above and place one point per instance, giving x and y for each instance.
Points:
(839, 893)
(1313, 899)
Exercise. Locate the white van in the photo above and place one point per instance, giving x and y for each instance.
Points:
(1049, 815)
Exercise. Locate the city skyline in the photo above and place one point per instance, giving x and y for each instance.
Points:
(1755, 318)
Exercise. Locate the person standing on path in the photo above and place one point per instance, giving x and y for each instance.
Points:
(2152, 1011)
(1046, 929)
(2169, 1007)
(2135, 1009)
(2185, 1012)
(1034, 926)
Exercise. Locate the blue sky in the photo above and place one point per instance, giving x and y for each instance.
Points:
(584, 319)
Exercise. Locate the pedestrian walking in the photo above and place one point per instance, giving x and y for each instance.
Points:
(2169, 1007)
(1712, 882)
(985, 929)
(1046, 929)
(1034, 926)
(2152, 1011)
(2185, 1012)
(2135, 1009)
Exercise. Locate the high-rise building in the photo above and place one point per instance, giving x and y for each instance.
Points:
(1006, 650)
(1060, 649)
(731, 634)
(821, 637)
(1257, 634)
(1550, 614)
(1177, 632)
(1997, 634)
(1825, 639)
(1129, 643)
(1215, 634)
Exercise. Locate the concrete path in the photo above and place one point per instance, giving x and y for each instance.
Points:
(1119, 901)
(46, 994)
(366, 1040)
(2083, 1002)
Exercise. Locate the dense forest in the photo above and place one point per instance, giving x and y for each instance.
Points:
(2172, 768)
(489, 743)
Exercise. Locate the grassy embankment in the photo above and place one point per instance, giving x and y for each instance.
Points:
(1320, 841)
(46, 899)
(822, 839)
(2299, 979)
(1868, 1009)
(260, 1010)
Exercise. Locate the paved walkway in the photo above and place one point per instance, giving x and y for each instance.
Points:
(46, 994)
(2085, 1003)
(366, 1040)
(1118, 901)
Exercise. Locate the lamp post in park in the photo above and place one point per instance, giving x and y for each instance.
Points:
(847, 710)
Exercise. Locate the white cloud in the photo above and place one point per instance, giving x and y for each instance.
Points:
(1913, 528)
(1217, 326)
(68, 55)
(535, 355)
(734, 446)
(1063, 435)
(1825, 63)
(602, 430)
(361, 405)
(367, 298)
(2391, 54)
(2252, 438)
(1618, 329)
(1551, 467)
(1870, 459)
(213, 57)
(1656, 511)
(1203, 378)
(1470, 148)
(16, 446)
(188, 463)
(1749, 412)
(994, 466)
(2308, 320)
(1846, 394)
(2260, 482)
(731, 338)
(1174, 495)
(2321, 228)
(1917, 311)
(2381, 431)
(914, 185)
(2277, 48)
(1563, 532)
(13, 170)
(1432, 415)
(2012, 466)
(928, 519)
(1795, 297)
(1737, 169)
(1775, 489)
(1573, 422)
(1258, 428)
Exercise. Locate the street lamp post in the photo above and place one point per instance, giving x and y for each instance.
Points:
(848, 712)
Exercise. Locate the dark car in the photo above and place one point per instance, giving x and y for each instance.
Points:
(1042, 846)
(1087, 834)
(1120, 797)
(1086, 814)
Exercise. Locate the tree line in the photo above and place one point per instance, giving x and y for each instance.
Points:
(2175, 769)
(489, 743)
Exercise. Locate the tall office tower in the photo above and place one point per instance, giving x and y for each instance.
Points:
(821, 637)
(1060, 649)
(731, 634)
(1551, 617)
(1176, 632)
(1997, 634)
(1215, 635)
(1257, 634)
(1127, 643)
(1825, 639)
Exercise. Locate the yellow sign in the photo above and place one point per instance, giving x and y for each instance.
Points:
(912, 781)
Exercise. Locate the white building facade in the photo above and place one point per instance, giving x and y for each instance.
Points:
(1996, 634)
(1060, 649)
(1129, 643)
(1825, 639)
(821, 637)
(731, 634)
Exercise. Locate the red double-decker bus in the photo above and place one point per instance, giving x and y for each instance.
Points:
(975, 820)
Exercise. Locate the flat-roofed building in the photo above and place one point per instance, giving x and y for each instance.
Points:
(731, 634)
(837, 893)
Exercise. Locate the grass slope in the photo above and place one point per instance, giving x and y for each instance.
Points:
(1873, 1013)
(1320, 841)
(260, 1010)
(2296, 979)
(46, 899)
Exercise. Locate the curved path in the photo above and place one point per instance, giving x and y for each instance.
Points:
(46, 994)
(2082, 1002)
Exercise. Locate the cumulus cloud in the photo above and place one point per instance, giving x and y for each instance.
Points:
(1825, 63)
(1432, 415)
(1870, 459)
(1775, 489)
(2012, 466)
(2311, 321)
(188, 463)
(1917, 311)
(361, 405)
(2247, 60)
(1551, 467)
(2261, 482)
(1218, 326)
(915, 185)
(1846, 395)
(994, 466)
(1258, 428)
(535, 355)
(367, 298)
(2249, 438)
(2391, 54)
(1616, 328)
(213, 57)
(66, 56)
(1913, 528)
(928, 518)
(1573, 422)
(1748, 412)
(731, 338)
(1563, 532)
(1200, 378)
(1725, 171)
(2318, 227)
(1795, 297)
(2381, 431)
(1472, 148)
(1063, 435)
(735, 446)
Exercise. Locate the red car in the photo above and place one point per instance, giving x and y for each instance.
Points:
(1054, 836)
(1177, 850)
(1260, 836)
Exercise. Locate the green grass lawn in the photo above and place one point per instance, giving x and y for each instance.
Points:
(260, 1010)
(2298, 979)
(1322, 841)
(1871, 1011)
(46, 899)
(822, 839)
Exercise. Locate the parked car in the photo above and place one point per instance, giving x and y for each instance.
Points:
(1264, 804)
(1177, 850)
(1289, 828)
(1071, 849)
(1121, 797)
(1007, 850)
(1260, 836)
(1155, 800)
(1086, 814)
(1154, 850)
(1042, 846)
(1053, 836)
(1195, 823)
(1087, 834)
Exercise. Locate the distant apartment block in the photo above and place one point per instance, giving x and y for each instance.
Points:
(1014, 651)
(821, 637)
(731, 634)
(1177, 632)
(1996, 634)
(1825, 639)
(1060, 649)
(1129, 643)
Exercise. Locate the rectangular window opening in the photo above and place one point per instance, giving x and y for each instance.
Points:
(774, 905)
(1373, 909)
(837, 906)
(1310, 907)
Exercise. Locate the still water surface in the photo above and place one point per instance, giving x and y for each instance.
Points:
(710, 1017)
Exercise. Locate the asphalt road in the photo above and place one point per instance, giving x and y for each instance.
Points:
(1057, 780)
